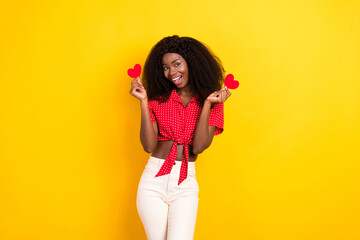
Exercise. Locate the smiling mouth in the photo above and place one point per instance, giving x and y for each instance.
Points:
(177, 80)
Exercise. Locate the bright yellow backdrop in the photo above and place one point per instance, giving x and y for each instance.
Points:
(285, 168)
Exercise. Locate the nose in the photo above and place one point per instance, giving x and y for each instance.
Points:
(172, 71)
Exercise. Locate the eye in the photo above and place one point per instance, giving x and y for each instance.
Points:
(165, 68)
(177, 64)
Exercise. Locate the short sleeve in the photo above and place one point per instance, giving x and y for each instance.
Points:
(151, 105)
(217, 117)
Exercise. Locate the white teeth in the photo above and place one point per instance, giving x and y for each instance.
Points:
(174, 79)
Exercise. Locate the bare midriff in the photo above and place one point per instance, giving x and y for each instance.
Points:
(163, 148)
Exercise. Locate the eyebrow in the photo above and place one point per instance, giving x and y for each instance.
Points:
(172, 61)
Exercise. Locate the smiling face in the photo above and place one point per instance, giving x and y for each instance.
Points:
(175, 69)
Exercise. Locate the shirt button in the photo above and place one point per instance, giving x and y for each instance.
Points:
(174, 163)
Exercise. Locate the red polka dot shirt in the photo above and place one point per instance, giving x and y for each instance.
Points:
(177, 123)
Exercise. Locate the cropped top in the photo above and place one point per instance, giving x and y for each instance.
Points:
(178, 123)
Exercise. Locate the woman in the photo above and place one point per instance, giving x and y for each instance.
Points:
(181, 111)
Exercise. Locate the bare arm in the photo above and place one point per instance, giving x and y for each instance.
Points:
(148, 129)
(204, 133)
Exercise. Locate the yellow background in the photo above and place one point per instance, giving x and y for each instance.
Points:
(285, 168)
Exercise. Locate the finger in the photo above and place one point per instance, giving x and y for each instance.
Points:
(226, 97)
(134, 87)
(137, 89)
(223, 96)
(222, 91)
(135, 83)
(138, 81)
(228, 92)
(220, 96)
(140, 89)
(133, 90)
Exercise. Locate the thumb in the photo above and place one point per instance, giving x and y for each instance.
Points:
(138, 81)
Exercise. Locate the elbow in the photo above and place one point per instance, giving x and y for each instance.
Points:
(149, 148)
(198, 149)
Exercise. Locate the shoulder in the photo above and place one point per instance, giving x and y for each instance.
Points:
(153, 104)
(158, 101)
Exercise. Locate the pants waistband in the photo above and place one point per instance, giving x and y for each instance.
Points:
(159, 162)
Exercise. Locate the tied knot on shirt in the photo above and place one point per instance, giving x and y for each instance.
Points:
(170, 160)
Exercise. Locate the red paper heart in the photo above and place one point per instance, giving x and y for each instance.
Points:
(134, 72)
(230, 82)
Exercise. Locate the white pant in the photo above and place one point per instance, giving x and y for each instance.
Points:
(167, 210)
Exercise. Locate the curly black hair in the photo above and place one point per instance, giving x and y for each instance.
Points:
(206, 72)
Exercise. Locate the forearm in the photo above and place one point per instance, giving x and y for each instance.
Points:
(203, 135)
(148, 135)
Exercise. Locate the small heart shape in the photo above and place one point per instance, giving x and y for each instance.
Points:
(230, 82)
(134, 72)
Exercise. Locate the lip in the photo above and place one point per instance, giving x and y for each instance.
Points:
(177, 80)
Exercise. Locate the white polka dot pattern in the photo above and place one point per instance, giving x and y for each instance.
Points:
(176, 122)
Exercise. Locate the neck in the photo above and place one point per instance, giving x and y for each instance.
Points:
(185, 91)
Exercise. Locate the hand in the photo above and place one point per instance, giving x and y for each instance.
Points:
(219, 96)
(137, 89)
